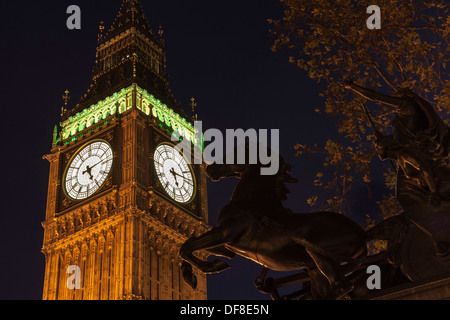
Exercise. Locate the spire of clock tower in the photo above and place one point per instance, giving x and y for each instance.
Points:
(128, 53)
(130, 16)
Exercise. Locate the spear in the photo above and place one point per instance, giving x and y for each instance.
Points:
(375, 129)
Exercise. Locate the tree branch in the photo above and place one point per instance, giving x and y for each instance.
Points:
(375, 65)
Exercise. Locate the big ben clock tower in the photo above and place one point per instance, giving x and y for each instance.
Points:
(121, 198)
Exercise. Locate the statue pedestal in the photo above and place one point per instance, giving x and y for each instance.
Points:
(436, 288)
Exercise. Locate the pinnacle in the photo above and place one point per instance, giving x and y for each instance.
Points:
(130, 15)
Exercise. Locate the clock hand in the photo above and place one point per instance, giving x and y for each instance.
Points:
(172, 171)
(176, 174)
(88, 170)
(99, 163)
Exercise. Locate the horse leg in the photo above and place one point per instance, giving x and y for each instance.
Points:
(271, 285)
(221, 251)
(339, 285)
(210, 240)
(319, 284)
(188, 275)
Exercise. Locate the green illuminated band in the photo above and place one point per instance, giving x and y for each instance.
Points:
(121, 102)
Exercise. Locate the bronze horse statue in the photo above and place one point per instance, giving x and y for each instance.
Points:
(420, 145)
(256, 225)
(329, 247)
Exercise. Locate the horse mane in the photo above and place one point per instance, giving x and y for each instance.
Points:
(278, 180)
(283, 175)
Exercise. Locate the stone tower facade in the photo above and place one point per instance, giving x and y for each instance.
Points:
(117, 209)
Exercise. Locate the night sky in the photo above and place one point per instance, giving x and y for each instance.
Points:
(217, 51)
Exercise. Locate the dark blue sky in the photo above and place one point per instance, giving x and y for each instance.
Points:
(217, 52)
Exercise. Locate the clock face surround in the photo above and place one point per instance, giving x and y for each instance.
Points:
(88, 169)
(174, 173)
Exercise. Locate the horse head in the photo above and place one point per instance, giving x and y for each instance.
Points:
(250, 170)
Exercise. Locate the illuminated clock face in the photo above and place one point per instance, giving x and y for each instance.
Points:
(88, 170)
(174, 173)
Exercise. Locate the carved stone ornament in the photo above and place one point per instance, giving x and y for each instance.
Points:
(109, 137)
(66, 203)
